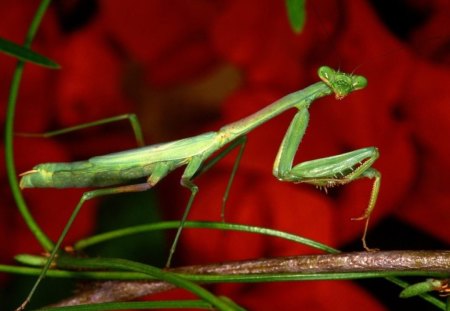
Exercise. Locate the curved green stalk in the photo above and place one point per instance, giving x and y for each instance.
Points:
(103, 237)
(42, 238)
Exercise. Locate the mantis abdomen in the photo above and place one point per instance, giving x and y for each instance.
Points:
(82, 174)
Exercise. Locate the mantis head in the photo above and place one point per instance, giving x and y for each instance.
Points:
(341, 83)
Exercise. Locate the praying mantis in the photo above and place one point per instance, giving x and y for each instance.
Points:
(155, 162)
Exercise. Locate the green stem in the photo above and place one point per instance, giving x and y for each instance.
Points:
(42, 238)
(164, 225)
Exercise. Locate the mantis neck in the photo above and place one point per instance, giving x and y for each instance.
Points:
(300, 100)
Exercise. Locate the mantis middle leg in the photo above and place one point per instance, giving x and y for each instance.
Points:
(238, 142)
(195, 168)
(326, 172)
(85, 197)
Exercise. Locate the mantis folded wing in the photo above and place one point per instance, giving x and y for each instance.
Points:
(156, 161)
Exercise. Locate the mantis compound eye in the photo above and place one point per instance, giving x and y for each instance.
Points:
(326, 74)
(359, 82)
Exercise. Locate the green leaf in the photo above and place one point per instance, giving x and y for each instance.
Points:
(26, 54)
(296, 14)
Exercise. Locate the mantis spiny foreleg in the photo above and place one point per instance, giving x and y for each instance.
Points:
(330, 171)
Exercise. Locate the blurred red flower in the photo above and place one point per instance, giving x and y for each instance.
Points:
(404, 112)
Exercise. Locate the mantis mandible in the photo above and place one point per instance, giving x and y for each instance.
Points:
(156, 161)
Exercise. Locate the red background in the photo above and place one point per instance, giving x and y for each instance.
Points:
(187, 67)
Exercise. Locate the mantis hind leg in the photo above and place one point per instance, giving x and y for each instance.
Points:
(137, 130)
(159, 172)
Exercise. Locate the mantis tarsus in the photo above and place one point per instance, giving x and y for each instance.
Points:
(156, 161)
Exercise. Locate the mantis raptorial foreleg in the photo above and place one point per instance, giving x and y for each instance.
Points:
(326, 172)
(85, 197)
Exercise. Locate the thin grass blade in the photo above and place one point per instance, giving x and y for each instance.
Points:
(25, 54)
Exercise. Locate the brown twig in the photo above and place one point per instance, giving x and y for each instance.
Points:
(386, 261)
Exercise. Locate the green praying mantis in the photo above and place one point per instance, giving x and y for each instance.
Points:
(116, 172)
